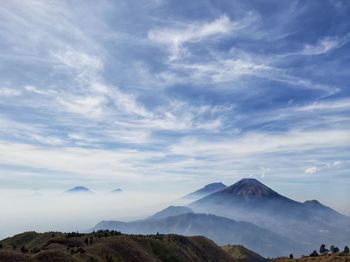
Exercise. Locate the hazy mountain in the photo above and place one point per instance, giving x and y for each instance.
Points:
(171, 211)
(117, 190)
(79, 189)
(222, 230)
(206, 190)
(107, 246)
(309, 223)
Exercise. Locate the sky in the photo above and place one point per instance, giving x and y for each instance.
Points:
(167, 96)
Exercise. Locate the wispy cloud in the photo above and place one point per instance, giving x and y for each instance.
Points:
(5, 91)
(326, 166)
(325, 45)
(175, 39)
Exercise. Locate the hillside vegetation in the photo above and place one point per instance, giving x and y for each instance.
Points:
(109, 246)
(242, 254)
(328, 258)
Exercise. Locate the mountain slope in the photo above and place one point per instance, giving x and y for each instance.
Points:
(110, 246)
(222, 230)
(243, 254)
(206, 190)
(310, 223)
(171, 211)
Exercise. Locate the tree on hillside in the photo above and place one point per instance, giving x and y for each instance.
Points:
(323, 249)
(346, 250)
(291, 256)
(1, 246)
(334, 249)
(24, 249)
(314, 254)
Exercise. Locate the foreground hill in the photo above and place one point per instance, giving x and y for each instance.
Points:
(308, 223)
(109, 246)
(220, 229)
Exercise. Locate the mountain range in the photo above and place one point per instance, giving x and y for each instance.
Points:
(309, 223)
(220, 229)
(248, 213)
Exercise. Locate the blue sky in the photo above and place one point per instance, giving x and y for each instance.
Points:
(171, 95)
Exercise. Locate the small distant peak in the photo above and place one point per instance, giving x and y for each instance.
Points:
(207, 190)
(79, 189)
(215, 185)
(313, 203)
(117, 190)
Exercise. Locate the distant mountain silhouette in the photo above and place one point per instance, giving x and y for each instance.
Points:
(249, 200)
(79, 189)
(222, 230)
(206, 190)
(171, 211)
(117, 190)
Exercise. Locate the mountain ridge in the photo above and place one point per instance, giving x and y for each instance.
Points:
(220, 229)
(250, 200)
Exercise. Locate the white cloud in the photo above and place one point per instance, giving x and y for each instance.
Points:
(223, 70)
(325, 45)
(258, 143)
(311, 170)
(339, 104)
(8, 92)
(337, 163)
(78, 60)
(176, 38)
(100, 163)
(89, 106)
(323, 166)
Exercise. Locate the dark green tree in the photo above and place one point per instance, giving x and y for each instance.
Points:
(1, 246)
(291, 256)
(24, 249)
(323, 249)
(314, 254)
(35, 250)
(334, 249)
(346, 250)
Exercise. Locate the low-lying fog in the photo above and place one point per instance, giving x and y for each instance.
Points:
(25, 210)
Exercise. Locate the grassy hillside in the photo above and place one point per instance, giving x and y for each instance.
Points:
(242, 254)
(328, 258)
(109, 246)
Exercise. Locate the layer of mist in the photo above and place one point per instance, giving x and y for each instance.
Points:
(27, 210)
